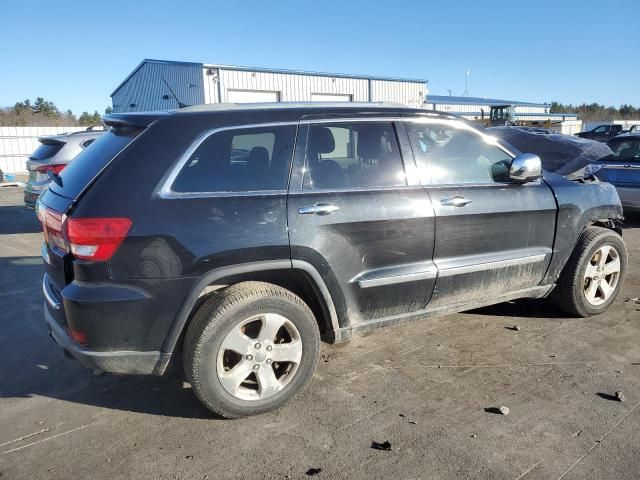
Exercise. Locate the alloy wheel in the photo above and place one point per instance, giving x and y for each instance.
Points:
(259, 357)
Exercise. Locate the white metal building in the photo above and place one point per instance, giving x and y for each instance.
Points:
(156, 84)
(473, 108)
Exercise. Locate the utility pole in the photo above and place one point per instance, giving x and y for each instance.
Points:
(466, 83)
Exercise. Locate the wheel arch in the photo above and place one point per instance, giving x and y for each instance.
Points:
(299, 277)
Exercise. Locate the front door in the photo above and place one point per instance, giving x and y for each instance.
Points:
(357, 217)
(493, 237)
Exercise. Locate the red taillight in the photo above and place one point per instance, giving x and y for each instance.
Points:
(77, 336)
(52, 224)
(51, 169)
(95, 239)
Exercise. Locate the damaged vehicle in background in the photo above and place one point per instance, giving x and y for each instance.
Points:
(622, 168)
(616, 162)
(255, 231)
(52, 156)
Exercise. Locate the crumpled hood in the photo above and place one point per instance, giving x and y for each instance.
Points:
(565, 155)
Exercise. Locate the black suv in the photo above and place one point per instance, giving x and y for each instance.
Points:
(240, 236)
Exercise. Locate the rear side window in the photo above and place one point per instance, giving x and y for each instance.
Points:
(89, 162)
(46, 150)
(239, 160)
(353, 155)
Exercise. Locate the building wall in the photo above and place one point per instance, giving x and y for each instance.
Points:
(145, 89)
(197, 83)
(307, 88)
(290, 87)
(17, 143)
(411, 94)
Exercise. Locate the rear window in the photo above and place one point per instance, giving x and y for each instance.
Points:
(88, 164)
(46, 150)
(239, 160)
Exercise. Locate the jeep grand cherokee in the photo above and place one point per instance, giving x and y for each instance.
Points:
(240, 236)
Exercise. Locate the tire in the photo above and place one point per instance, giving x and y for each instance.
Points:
(236, 329)
(574, 289)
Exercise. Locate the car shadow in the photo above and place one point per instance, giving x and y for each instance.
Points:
(526, 308)
(631, 219)
(18, 219)
(33, 365)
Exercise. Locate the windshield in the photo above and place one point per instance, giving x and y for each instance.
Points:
(625, 149)
(88, 164)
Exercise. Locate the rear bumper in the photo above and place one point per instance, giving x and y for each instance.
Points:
(31, 197)
(130, 362)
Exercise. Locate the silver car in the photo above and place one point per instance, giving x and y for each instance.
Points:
(622, 168)
(54, 153)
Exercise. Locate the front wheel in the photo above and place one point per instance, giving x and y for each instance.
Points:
(594, 274)
(250, 349)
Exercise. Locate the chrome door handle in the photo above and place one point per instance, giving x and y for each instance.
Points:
(457, 201)
(318, 209)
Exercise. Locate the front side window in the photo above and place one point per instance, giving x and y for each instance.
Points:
(353, 155)
(625, 149)
(454, 153)
(240, 160)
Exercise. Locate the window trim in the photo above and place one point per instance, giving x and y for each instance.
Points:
(166, 189)
(410, 163)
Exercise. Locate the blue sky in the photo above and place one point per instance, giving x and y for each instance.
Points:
(75, 53)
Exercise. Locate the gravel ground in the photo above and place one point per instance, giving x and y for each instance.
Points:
(429, 388)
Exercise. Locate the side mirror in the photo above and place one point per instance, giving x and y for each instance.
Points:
(526, 167)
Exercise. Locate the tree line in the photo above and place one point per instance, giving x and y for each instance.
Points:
(44, 112)
(594, 112)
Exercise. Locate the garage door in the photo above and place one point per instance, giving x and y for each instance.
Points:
(252, 96)
(330, 97)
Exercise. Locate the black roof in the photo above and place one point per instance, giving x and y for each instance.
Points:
(280, 111)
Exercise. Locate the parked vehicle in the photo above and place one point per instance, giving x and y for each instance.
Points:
(51, 157)
(602, 133)
(240, 236)
(622, 169)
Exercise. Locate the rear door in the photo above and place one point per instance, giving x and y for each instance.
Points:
(358, 215)
(492, 236)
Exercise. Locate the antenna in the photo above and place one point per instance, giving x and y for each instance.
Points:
(180, 104)
(449, 90)
(466, 83)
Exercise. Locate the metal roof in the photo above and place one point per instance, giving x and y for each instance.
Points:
(268, 70)
(448, 99)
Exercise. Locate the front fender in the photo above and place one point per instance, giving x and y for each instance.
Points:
(579, 205)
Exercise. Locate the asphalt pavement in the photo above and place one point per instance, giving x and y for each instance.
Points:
(430, 389)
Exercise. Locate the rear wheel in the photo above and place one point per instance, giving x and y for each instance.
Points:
(594, 274)
(250, 349)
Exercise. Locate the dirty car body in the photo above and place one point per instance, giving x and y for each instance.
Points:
(372, 215)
